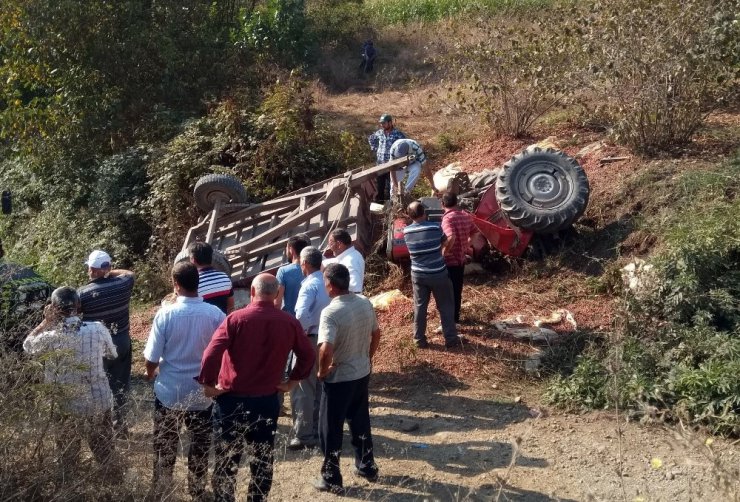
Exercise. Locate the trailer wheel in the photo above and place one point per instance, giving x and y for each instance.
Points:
(218, 187)
(542, 190)
(219, 260)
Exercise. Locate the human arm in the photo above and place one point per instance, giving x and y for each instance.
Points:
(373, 140)
(210, 365)
(155, 344)
(304, 304)
(230, 303)
(429, 175)
(121, 272)
(326, 360)
(447, 243)
(151, 370)
(34, 344)
(374, 342)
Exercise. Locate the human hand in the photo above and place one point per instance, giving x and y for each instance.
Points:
(212, 391)
(52, 314)
(287, 386)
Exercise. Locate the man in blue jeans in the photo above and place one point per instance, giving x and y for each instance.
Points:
(242, 368)
(348, 338)
(427, 245)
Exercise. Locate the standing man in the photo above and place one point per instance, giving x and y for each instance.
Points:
(179, 336)
(348, 338)
(214, 286)
(107, 299)
(380, 143)
(242, 368)
(73, 358)
(458, 224)
(340, 243)
(427, 243)
(403, 148)
(304, 399)
(289, 276)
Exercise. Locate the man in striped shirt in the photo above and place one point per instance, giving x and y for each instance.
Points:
(404, 148)
(106, 299)
(179, 336)
(427, 244)
(214, 286)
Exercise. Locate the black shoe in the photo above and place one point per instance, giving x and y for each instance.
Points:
(421, 344)
(370, 476)
(321, 485)
(455, 342)
(296, 444)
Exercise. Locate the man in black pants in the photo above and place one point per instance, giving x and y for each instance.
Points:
(348, 338)
(458, 225)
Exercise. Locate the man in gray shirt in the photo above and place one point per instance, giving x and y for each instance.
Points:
(348, 338)
(304, 399)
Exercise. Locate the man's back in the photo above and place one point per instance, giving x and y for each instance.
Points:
(180, 334)
(424, 240)
(107, 300)
(347, 323)
(77, 350)
(215, 287)
(290, 277)
(458, 223)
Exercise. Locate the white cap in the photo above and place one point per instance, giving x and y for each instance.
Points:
(98, 259)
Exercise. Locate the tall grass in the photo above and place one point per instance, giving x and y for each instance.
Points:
(405, 11)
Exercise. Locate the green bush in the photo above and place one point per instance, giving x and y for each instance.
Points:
(678, 348)
(414, 11)
(659, 68)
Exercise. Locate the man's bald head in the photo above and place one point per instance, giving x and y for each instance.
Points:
(416, 210)
(264, 287)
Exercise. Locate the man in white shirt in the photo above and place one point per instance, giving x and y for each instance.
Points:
(73, 359)
(179, 335)
(340, 243)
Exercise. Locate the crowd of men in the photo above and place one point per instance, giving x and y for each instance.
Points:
(221, 373)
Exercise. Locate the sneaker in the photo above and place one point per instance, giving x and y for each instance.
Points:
(296, 444)
(421, 344)
(455, 342)
(321, 485)
(370, 476)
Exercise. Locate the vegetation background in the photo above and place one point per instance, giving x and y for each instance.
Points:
(111, 111)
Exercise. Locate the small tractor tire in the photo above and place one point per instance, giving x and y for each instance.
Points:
(542, 190)
(218, 187)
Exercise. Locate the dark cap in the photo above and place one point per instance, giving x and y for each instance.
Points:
(385, 118)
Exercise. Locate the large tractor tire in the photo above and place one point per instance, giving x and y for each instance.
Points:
(218, 187)
(219, 260)
(542, 190)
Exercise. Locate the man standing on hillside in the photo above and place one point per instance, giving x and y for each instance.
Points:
(107, 299)
(242, 368)
(340, 243)
(304, 399)
(403, 148)
(380, 143)
(214, 286)
(458, 224)
(427, 244)
(348, 338)
(180, 334)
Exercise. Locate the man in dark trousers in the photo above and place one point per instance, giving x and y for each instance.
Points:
(179, 335)
(427, 245)
(242, 368)
(380, 143)
(106, 299)
(458, 224)
(348, 338)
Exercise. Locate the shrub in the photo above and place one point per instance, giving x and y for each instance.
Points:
(678, 348)
(660, 68)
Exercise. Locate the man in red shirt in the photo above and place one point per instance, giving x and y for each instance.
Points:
(242, 368)
(458, 225)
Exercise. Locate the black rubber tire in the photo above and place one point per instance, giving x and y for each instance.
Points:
(219, 261)
(214, 187)
(542, 190)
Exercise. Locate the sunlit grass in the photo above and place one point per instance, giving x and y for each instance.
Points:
(404, 11)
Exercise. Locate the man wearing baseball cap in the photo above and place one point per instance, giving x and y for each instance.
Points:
(106, 299)
(380, 143)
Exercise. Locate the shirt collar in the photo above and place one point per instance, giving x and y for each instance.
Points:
(189, 299)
